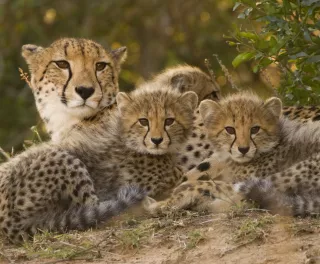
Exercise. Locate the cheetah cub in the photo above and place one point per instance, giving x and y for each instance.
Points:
(259, 151)
(189, 78)
(72, 80)
(97, 170)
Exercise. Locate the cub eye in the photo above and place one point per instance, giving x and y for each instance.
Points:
(255, 129)
(168, 121)
(62, 64)
(144, 121)
(230, 130)
(100, 66)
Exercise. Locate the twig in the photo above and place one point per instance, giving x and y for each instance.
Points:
(24, 76)
(209, 68)
(226, 72)
(4, 154)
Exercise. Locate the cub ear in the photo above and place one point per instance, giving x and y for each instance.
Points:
(274, 105)
(123, 100)
(190, 99)
(29, 50)
(208, 110)
(181, 82)
(119, 56)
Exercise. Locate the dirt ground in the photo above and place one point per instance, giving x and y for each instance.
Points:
(241, 237)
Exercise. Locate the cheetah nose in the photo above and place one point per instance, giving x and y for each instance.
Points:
(243, 150)
(84, 92)
(157, 141)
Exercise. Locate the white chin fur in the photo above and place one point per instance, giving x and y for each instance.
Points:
(157, 151)
(241, 159)
(82, 103)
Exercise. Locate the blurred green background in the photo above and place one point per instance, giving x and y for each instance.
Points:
(158, 33)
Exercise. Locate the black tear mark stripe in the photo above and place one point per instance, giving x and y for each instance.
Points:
(144, 138)
(63, 97)
(235, 138)
(254, 143)
(164, 127)
(45, 71)
(102, 92)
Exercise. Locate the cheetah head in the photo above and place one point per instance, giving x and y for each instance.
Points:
(156, 121)
(242, 124)
(72, 79)
(188, 78)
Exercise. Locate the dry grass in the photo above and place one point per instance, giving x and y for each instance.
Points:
(126, 237)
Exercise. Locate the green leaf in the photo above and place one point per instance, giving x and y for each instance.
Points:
(248, 35)
(273, 41)
(231, 43)
(242, 57)
(265, 62)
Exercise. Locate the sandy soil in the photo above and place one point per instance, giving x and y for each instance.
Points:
(241, 238)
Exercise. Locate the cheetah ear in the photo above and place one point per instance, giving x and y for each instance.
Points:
(123, 100)
(208, 110)
(181, 82)
(29, 50)
(119, 56)
(190, 99)
(274, 105)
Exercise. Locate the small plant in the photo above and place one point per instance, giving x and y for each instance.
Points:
(285, 34)
(133, 238)
(194, 238)
(252, 228)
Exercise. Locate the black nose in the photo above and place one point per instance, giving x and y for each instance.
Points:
(84, 92)
(157, 141)
(243, 150)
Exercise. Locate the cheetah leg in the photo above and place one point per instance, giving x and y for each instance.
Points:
(73, 189)
(211, 196)
(214, 168)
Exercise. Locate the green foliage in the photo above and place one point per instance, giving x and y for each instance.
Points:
(286, 34)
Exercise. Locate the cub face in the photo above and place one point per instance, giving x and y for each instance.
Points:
(242, 125)
(156, 121)
(75, 77)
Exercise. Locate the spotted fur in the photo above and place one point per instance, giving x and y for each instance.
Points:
(284, 153)
(84, 179)
(189, 78)
(72, 79)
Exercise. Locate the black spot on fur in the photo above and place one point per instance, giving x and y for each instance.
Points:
(316, 118)
(204, 177)
(203, 166)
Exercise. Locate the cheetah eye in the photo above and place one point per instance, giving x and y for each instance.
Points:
(101, 65)
(144, 121)
(168, 121)
(62, 64)
(255, 129)
(230, 130)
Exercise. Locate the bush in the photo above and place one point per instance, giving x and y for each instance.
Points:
(284, 33)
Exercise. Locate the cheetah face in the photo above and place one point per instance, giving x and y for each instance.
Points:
(242, 125)
(75, 77)
(156, 121)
